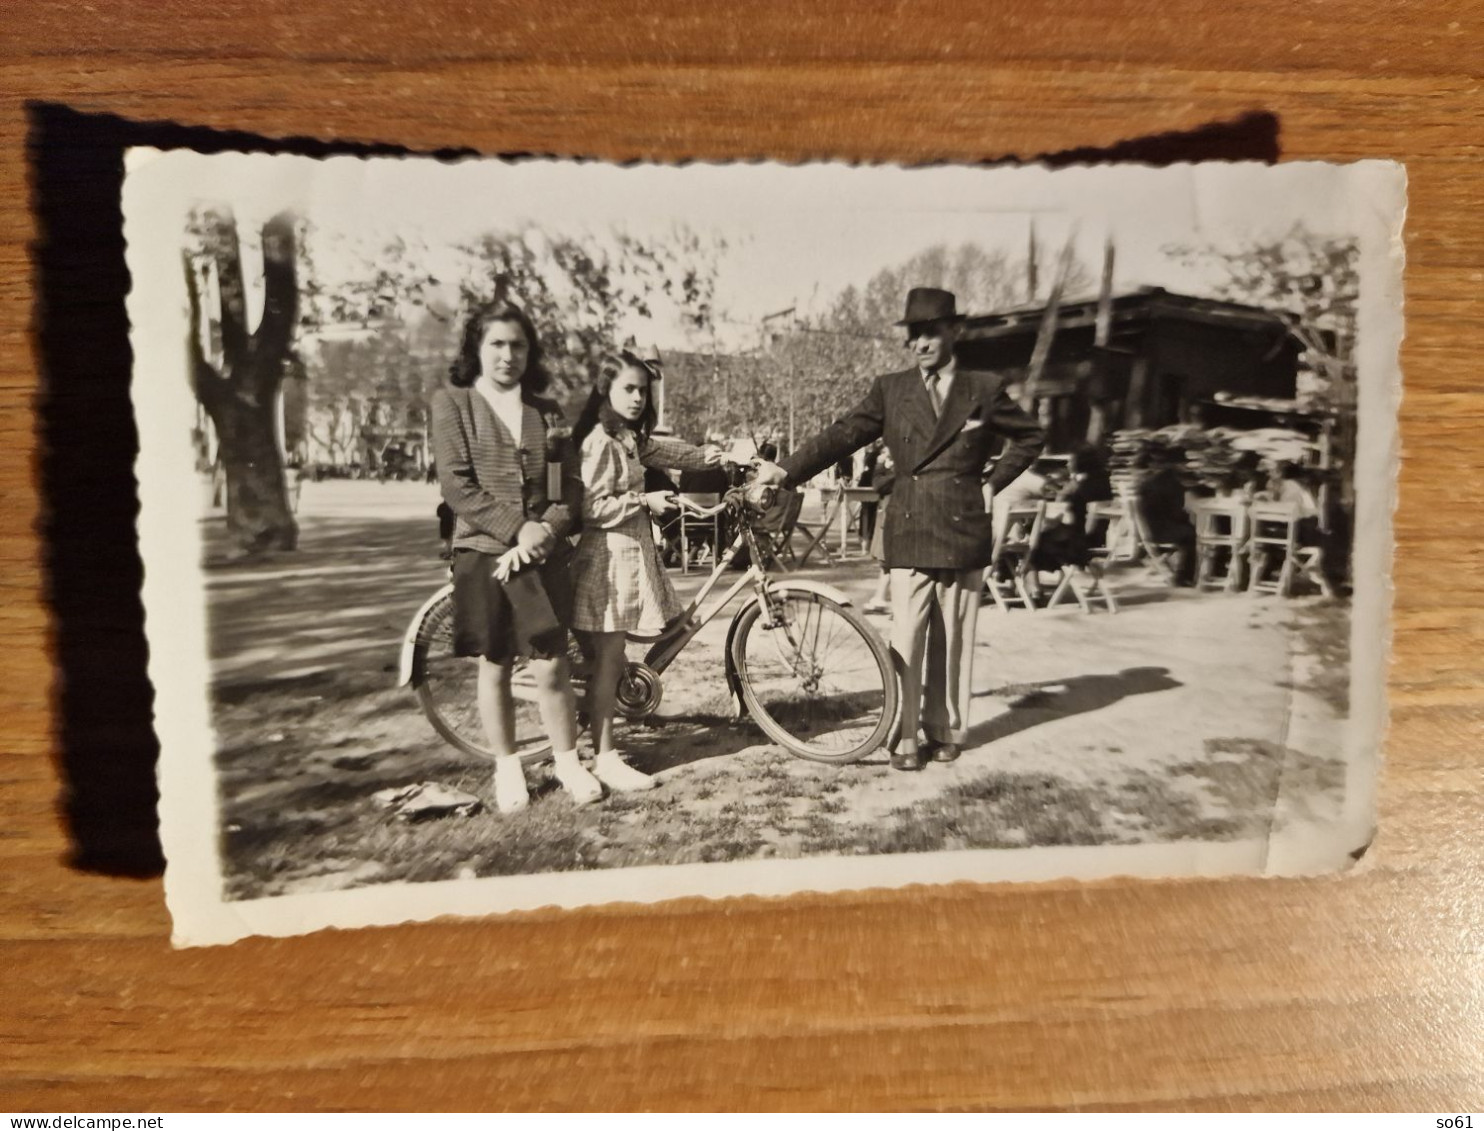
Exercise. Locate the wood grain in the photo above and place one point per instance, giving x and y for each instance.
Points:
(1354, 992)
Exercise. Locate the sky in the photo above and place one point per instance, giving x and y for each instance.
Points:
(795, 235)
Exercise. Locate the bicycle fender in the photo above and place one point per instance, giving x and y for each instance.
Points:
(816, 587)
(734, 681)
(409, 638)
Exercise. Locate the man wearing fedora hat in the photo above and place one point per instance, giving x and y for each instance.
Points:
(938, 421)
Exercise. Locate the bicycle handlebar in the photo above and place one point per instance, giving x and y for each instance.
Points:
(688, 506)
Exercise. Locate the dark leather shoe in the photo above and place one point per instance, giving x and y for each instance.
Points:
(906, 760)
(946, 751)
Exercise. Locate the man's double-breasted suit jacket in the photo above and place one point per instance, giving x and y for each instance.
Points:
(937, 518)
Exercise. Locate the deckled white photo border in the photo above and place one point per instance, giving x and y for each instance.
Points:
(161, 187)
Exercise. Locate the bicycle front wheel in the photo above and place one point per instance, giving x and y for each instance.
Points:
(816, 677)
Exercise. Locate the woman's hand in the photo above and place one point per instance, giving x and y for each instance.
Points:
(712, 454)
(658, 502)
(536, 540)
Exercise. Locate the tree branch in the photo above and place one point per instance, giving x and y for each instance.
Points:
(206, 382)
(280, 289)
(227, 253)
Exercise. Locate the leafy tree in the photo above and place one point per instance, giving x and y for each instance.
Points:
(1311, 281)
(579, 293)
(396, 324)
(237, 373)
(809, 370)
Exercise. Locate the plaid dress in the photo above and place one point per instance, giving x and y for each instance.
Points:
(619, 580)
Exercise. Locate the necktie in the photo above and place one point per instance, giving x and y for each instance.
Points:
(934, 395)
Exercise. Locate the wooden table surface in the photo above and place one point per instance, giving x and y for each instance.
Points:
(1362, 991)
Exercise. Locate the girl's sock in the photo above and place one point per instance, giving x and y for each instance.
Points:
(511, 795)
(581, 785)
(618, 775)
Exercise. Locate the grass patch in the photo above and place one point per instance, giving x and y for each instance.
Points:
(1321, 632)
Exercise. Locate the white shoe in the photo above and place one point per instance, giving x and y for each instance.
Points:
(581, 785)
(619, 776)
(511, 794)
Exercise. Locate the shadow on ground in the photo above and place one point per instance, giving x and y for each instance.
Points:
(1035, 704)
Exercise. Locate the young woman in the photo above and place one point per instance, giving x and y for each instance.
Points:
(618, 578)
(490, 436)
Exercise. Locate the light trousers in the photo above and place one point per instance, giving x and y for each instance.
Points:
(934, 613)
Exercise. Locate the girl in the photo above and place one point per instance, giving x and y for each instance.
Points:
(489, 441)
(619, 580)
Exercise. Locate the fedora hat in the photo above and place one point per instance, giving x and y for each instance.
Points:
(929, 304)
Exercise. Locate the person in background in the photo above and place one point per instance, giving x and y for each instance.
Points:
(1088, 482)
(1288, 487)
(1025, 490)
(490, 434)
(1161, 496)
(883, 475)
(870, 507)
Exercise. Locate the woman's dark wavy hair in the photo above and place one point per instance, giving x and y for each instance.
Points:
(598, 411)
(465, 369)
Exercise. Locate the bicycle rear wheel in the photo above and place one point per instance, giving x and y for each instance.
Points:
(818, 680)
(447, 691)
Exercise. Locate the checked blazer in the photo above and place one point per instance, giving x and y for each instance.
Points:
(937, 518)
(494, 482)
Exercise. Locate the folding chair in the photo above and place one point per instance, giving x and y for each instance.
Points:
(1220, 543)
(1275, 531)
(816, 537)
(1110, 534)
(1008, 577)
(776, 528)
(1049, 554)
(695, 524)
(1068, 581)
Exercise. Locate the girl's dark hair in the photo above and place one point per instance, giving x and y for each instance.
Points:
(598, 411)
(465, 369)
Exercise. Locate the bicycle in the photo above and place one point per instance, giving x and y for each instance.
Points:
(809, 669)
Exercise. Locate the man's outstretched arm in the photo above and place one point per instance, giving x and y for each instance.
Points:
(851, 432)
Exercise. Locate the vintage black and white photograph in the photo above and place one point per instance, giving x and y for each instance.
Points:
(545, 533)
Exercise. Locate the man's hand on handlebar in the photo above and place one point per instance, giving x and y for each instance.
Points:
(769, 474)
(767, 480)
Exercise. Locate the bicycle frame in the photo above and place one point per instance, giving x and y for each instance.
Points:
(664, 650)
(640, 688)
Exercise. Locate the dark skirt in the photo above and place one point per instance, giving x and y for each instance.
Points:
(502, 620)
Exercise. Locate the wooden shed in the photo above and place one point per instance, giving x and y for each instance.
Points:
(1166, 355)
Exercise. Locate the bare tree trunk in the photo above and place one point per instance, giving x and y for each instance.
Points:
(241, 391)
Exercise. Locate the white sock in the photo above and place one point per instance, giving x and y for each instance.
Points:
(581, 785)
(511, 795)
(618, 775)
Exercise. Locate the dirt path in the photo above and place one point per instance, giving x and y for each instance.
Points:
(1168, 721)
